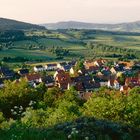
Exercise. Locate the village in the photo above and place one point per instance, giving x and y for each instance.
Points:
(86, 76)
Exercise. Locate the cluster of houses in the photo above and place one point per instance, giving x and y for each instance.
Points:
(93, 75)
(66, 66)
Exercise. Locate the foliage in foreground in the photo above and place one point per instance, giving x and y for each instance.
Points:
(84, 128)
(29, 113)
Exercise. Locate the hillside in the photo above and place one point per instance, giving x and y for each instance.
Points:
(39, 45)
(127, 27)
(8, 24)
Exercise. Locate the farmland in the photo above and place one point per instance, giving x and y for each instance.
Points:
(38, 44)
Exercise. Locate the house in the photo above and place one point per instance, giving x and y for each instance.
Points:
(62, 79)
(82, 72)
(114, 70)
(72, 71)
(33, 79)
(103, 83)
(72, 63)
(66, 67)
(133, 81)
(23, 72)
(91, 85)
(92, 70)
(61, 65)
(129, 73)
(93, 66)
(127, 65)
(50, 67)
(104, 74)
(6, 73)
(113, 83)
(83, 78)
(88, 64)
(48, 80)
(85, 83)
(38, 68)
(124, 89)
(100, 62)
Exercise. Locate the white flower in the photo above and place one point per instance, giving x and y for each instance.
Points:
(23, 113)
(69, 136)
(31, 102)
(72, 132)
(76, 132)
(12, 110)
(15, 107)
(73, 129)
(21, 108)
(86, 138)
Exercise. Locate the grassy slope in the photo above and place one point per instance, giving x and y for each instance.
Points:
(9, 24)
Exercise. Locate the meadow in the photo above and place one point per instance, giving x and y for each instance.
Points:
(37, 45)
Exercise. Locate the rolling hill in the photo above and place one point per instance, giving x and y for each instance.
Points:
(8, 24)
(126, 27)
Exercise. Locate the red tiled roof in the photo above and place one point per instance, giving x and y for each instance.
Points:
(132, 80)
(125, 88)
(94, 68)
(32, 77)
(63, 78)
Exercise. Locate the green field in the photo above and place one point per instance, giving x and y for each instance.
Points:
(75, 41)
(132, 42)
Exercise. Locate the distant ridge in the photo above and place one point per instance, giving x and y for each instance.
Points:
(10, 24)
(127, 27)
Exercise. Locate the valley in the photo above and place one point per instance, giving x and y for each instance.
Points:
(37, 45)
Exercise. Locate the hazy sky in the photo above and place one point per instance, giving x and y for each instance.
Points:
(44, 11)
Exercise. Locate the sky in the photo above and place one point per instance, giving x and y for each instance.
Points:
(48, 11)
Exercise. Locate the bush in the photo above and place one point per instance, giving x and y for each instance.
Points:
(123, 109)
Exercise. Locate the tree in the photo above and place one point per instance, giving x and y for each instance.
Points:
(135, 90)
(122, 78)
(51, 96)
(79, 65)
(122, 108)
(17, 94)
